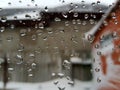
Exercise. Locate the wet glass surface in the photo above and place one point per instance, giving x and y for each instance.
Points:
(43, 46)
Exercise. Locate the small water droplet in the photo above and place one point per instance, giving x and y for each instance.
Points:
(61, 75)
(30, 75)
(57, 19)
(64, 15)
(90, 38)
(71, 83)
(96, 46)
(75, 14)
(99, 53)
(33, 65)
(56, 82)
(46, 9)
(53, 74)
(99, 79)
(93, 4)
(2, 29)
(3, 19)
(97, 69)
(34, 37)
(61, 88)
(11, 69)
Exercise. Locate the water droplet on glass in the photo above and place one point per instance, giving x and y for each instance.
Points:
(2, 29)
(67, 23)
(99, 79)
(12, 26)
(33, 65)
(3, 19)
(98, 2)
(75, 14)
(46, 9)
(99, 53)
(30, 75)
(41, 25)
(53, 74)
(34, 37)
(9, 38)
(90, 38)
(71, 83)
(97, 69)
(61, 88)
(56, 82)
(0, 9)
(61, 75)
(11, 69)
(86, 16)
(96, 46)
(64, 14)
(57, 19)
(93, 4)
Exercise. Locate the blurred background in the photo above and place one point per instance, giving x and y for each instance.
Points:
(42, 45)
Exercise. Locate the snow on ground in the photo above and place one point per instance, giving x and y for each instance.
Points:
(49, 85)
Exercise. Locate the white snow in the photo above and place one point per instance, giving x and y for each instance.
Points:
(49, 85)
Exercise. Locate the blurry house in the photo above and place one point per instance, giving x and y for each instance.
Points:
(106, 50)
(83, 15)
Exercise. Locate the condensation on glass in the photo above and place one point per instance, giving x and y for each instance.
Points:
(53, 45)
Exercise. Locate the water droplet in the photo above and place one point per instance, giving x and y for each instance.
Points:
(2, 29)
(11, 69)
(34, 37)
(99, 79)
(83, 6)
(57, 19)
(61, 75)
(84, 23)
(61, 88)
(23, 32)
(64, 15)
(114, 34)
(56, 82)
(46, 9)
(12, 26)
(30, 75)
(9, 3)
(29, 70)
(75, 14)
(97, 69)
(3, 19)
(98, 2)
(92, 21)
(99, 53)
(93, 4)
(0, 9)
(32, 55)
(78, 21)
(90, 38)
(96, 46)
(53, 74)
(67, 23)
(41, 25)
(18, 56)
(71, 83)
(33, 65)
(32, 1)
(86, 16)
(9, 38)
(27, 16)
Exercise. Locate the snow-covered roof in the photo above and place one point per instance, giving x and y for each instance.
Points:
(20, 8)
